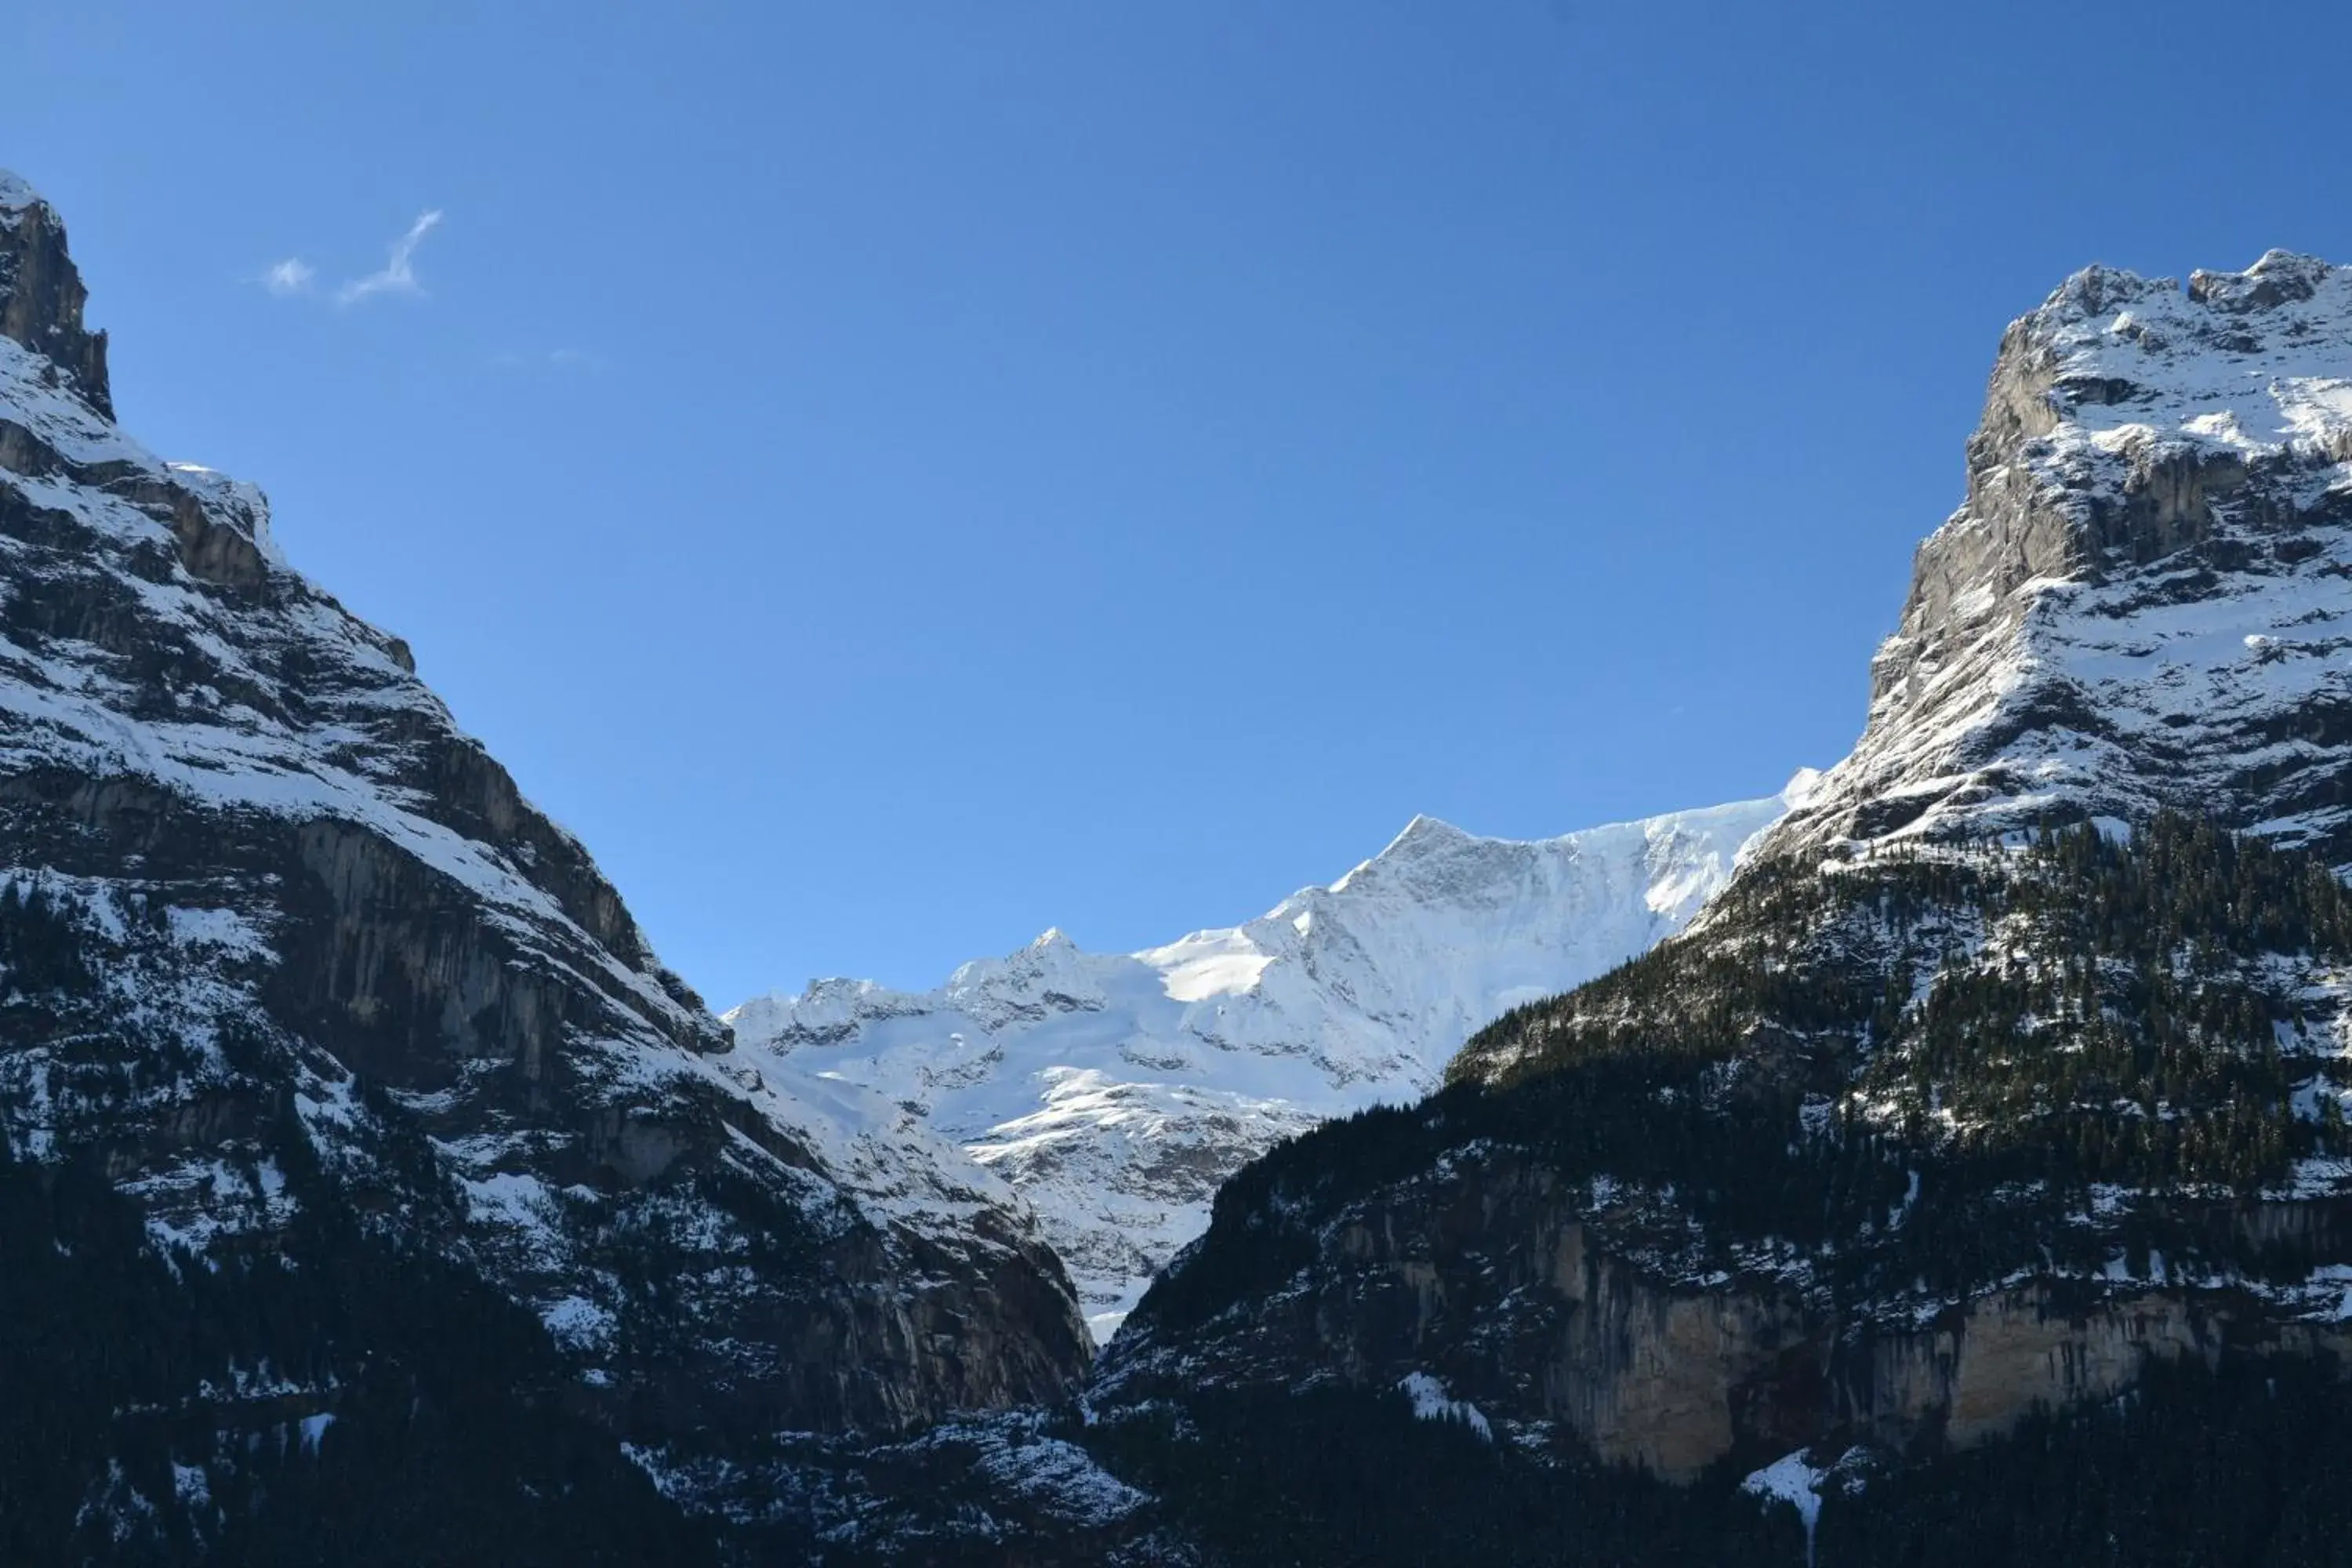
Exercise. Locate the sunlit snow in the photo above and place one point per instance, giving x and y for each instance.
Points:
(1116, 1091)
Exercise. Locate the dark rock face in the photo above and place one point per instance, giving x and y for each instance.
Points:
(1491, 1276)
(280, 947)
(41, 296)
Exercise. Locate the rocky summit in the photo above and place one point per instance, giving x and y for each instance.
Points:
(2141, 603)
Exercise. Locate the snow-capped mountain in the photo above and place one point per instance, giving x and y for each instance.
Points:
(2142, 599)
(1933, 1146)
(289, 962)
(1116, 1091)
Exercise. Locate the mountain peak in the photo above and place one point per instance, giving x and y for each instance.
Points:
(2276, 277)
(1802, 786)
(1116, 1091)
(1426, 831)
(42, 296)
(2280, 277)
(2138, 604)
(1424, 838)
(339, 997)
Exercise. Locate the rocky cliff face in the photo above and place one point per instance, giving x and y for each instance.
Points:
(43, 297)
(1929, 1125)
(2141, 602)
(1525, 1300)
(1116, 1091)
(282, 949)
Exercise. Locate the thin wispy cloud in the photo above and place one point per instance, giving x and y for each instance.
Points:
(399, 274)
(560, 359)
(291, 276)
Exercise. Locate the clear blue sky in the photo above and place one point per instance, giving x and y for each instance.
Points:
(896, 477)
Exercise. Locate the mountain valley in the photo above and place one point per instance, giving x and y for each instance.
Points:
(1944, 1159)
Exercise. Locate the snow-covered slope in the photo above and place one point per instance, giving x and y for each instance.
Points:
(276, 939)
(1116, 1091)
(2143, 600)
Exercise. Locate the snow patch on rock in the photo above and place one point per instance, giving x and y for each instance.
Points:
(1432, 1401)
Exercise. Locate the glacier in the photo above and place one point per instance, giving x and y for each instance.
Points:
(1116, 1091)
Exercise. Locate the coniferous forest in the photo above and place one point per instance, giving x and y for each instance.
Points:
(140, 1377)
(1918, 1075)
(1294, 1481)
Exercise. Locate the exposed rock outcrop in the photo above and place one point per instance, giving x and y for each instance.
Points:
(2140, 602)
(1495, 1276)
(280, 946)
(41, 296)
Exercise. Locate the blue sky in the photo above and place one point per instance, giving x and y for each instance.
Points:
(896, 477)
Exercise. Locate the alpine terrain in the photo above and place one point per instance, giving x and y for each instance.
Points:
(1118, 1092)
(1970, 1181)
(368, 1191)
(1945, 1162)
